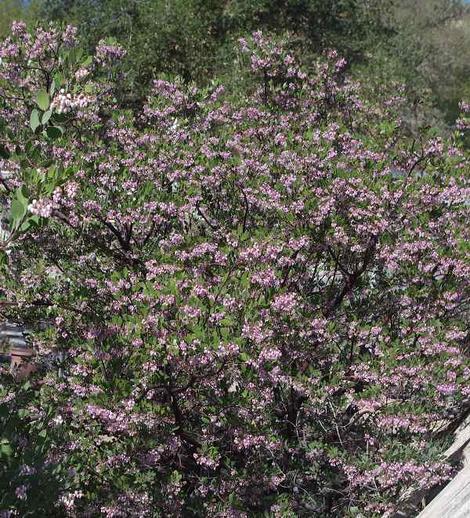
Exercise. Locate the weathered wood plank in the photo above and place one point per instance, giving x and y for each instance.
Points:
(453, 501)
(456, 494)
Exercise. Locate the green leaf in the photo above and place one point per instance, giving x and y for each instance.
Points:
(5, 448)
(34, 120)
(3, 257)
(19, 207)
(46, 116)
(54, 132)
(18, 210)
(87, 61)
(22, 195)
(33, 221)
(42, 100)
(244, 357)
(58, 80)
(33, 151)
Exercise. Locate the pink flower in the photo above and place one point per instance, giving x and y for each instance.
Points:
(285, 303)
(21, 492)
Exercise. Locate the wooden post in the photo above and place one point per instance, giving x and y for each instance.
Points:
(13, 345)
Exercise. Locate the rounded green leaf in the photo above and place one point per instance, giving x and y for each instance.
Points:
(46, 116)
(17, 210)
(32, 221)
(58, 80)
(5, 448)
(34, 120)
(42, 100)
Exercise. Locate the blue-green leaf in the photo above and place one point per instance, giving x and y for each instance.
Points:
(46, 116)
(34, 120)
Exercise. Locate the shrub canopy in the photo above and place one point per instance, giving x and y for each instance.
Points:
(239, 308)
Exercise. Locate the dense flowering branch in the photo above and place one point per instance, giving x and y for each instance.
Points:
(252, 307)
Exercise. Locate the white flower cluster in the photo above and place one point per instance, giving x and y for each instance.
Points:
(41, 208)
(68, 499)
(64, 103)
(81, 73)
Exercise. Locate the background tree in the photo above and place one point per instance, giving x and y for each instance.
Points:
(9, 10)
(423, 44)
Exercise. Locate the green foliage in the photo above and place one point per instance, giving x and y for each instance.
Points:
(424, 45)
(15, 10)
(10, 10)
(249, 304)
(195, 38)
(259, 281)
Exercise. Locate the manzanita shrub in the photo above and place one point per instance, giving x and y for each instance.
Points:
(250, 308)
